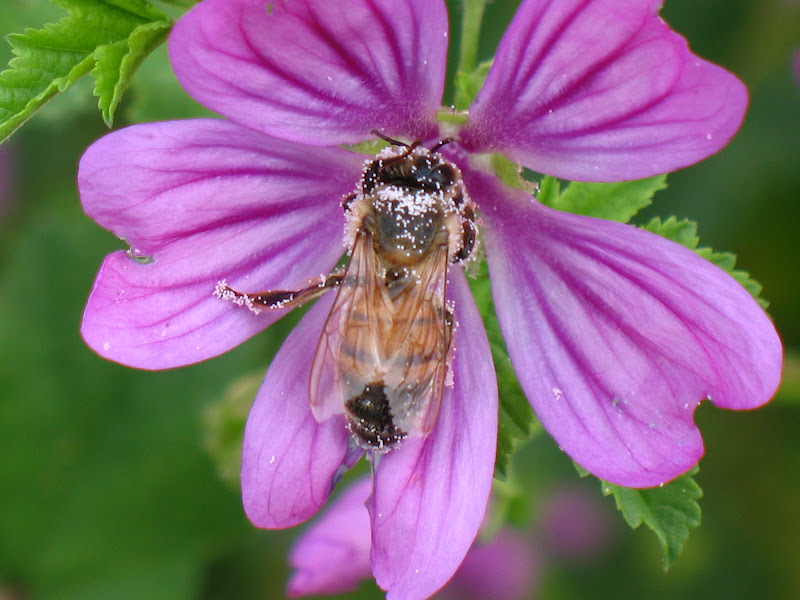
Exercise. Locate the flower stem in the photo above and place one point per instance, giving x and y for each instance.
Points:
(470, 34)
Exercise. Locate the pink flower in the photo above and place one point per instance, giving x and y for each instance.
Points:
(616, 334)
(332, 556)
(796, 66)
(573, 524)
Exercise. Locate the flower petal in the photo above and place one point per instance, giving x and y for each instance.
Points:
(155, 182)
(206, 200)
(316, 71)
(332, 555)
(289, 461)
(617, 334)
(430, 494)
(602, 90)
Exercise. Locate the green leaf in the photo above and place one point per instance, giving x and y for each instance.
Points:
(224, 423)
(116, 63)
(549, 191)
(670, 511)
(510, 505)
(108, 38)
(181, 3)
(611, 201)
(468, 84)
(516, 421)
(684, 232)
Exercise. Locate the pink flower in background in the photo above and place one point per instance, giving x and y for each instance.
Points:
(796, 65)
(616, 334)
(332, 557)
(573, 525)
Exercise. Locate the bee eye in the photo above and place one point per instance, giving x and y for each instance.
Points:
(422, 165)
(442, 174)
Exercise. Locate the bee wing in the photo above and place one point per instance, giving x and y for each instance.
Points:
(348, 340)
(418, 347)
(400, 340)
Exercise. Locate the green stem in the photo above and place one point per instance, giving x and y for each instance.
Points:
(470, 34)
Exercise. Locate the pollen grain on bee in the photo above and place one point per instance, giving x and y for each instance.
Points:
(224, 292)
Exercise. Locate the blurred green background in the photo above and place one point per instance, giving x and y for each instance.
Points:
(107, 490)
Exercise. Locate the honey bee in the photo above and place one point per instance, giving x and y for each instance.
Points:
(382, 359)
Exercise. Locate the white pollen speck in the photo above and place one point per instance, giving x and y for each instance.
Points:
(686, 406)
(271, 460)
(416, 571)
(106, 346)
(615, 402)
(557, 393)
(330, 78)
(652, 425)
(550, 110)
(708, 136)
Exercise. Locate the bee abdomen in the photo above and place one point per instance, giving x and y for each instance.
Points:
(370, 418)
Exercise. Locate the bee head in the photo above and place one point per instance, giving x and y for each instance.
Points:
(414, 169)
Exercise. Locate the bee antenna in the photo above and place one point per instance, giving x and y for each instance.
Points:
(443, 142)
(386, 138)
(411, 147)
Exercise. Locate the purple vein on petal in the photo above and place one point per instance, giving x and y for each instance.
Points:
(583, 367)
(532, 62)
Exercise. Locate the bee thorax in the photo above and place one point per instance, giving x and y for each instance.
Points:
(412, 200)
(407, 225)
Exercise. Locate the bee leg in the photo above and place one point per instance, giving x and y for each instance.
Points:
(347, 201)
(441, 143)
(386, 138)
(272, 299)
(449, 318)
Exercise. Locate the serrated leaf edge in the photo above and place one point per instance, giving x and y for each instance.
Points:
(85, 66)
